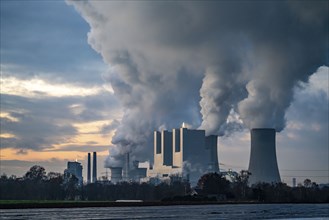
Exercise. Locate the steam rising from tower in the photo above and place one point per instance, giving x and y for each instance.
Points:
(226, 53)
(263, 163)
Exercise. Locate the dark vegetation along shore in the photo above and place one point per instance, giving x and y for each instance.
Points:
(22, 204)
(36, 189)
(30, 204)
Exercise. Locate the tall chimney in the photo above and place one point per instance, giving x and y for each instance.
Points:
(263, 163)
(89, 170)
(94, 168)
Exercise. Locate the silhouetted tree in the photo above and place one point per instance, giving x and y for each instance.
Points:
(36, 185)
(307, 183)
(54, 187)
(71, 186)
(240, 184)
(213, 183)
(36, 173)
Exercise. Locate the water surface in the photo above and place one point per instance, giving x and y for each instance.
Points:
(190, 212)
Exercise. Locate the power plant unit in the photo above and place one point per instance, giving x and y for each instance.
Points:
(263, 164)
(184, 152)
(74, 168)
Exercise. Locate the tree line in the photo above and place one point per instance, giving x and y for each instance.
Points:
(216, 184)
(36, 184)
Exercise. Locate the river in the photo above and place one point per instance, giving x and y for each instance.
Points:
(189, 212)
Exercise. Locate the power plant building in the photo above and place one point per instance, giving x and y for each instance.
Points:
(75, 168)
(188, 154)
(184, 152)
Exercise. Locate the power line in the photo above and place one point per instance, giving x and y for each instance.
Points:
(283, 170)
(303, 176)
(303, 170)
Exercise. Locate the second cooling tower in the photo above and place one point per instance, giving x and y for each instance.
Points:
(116, 174)
(263, 164)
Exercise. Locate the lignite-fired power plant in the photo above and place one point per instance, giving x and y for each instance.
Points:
(188, 154)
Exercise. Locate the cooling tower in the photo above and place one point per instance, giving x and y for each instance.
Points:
(94, 168)
(263, 164)
(116, 174)
(89, 169)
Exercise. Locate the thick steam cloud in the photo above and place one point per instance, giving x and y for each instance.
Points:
(171, 61)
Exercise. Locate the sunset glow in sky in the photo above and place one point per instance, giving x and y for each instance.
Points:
(75, 79)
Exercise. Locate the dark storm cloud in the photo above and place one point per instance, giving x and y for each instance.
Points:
(107, 128)
(82, 148)
(245, 56)
(48, 39)
(40, 126)
(20, 167)
(308, 117)
(306, 134)
(42, 122)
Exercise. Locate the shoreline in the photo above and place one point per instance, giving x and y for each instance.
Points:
(90, 204)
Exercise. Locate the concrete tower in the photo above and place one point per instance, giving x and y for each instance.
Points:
(263, 164)
(116, 174)
(94, 167)
(89, 170)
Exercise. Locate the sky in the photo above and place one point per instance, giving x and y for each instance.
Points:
(78, 77)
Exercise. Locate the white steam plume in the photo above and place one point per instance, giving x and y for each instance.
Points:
(244, 57)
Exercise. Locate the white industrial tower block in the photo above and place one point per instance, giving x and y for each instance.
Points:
(75, 168)
(184, 152)
(263, 164)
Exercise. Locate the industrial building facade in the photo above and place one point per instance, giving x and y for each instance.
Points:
(188, 154)
(74, 168)
(184, 152)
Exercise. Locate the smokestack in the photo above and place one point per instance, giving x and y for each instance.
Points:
(94, 168)
(89, 170)
(263, 163)
(294, 182)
